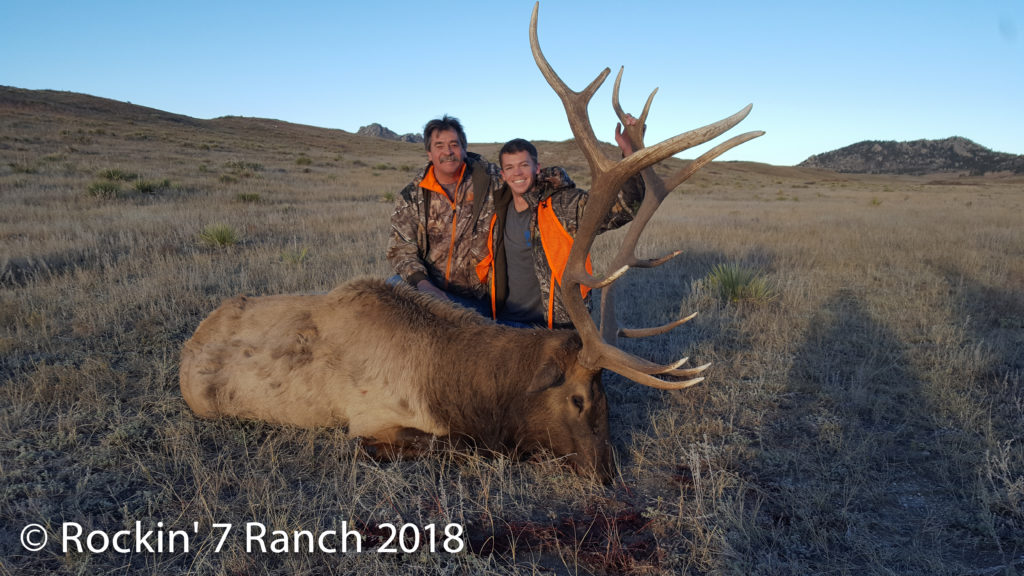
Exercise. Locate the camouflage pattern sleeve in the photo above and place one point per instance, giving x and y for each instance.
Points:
(627, 202)
(630, 197)
(407, 236)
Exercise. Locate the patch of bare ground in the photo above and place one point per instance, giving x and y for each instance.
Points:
(865, 420)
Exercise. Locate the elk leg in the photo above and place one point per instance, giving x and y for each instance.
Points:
(405, 442)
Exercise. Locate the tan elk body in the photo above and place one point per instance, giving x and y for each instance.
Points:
(397, 367)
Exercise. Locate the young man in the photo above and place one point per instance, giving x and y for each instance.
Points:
(537, 208)
(438, 228)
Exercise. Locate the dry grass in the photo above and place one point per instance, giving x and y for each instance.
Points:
(864, 421)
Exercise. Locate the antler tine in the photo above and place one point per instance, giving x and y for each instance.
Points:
(610, 330)
(575, 103)
(655, 190)
(634, 132)
(645, 332)
(707, 157)
(641, 371)
(688, 372)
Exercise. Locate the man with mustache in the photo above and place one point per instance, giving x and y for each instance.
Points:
(535, 217)
(439, 225)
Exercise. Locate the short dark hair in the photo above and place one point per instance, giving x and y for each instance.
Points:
(518, 145)
(443, 123)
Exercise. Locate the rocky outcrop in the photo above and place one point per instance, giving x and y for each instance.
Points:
(377, 131)
(954, 154)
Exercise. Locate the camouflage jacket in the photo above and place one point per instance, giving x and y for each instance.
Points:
(440, 240)
(568, 204)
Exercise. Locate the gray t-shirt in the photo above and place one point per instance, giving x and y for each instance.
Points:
(523, 303)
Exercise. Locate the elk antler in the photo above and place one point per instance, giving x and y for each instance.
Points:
(657, 190)
(607, 177)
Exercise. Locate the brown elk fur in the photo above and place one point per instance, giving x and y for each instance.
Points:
(396, 367)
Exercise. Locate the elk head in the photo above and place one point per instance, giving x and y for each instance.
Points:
(599, 350)
(568, 413)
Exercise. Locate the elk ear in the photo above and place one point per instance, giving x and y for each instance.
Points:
(548, 375)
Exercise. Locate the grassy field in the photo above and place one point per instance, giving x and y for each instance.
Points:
(863, 415)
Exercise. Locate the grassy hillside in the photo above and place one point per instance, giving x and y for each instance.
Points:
(862, 415)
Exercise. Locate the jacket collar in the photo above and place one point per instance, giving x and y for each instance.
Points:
(472, 160)
(429, 180)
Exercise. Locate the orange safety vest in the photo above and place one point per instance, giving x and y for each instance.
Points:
(557, 243)
(430, 183)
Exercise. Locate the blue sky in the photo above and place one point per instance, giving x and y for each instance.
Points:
(821, 75)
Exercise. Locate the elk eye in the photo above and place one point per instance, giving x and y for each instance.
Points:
(577, 401)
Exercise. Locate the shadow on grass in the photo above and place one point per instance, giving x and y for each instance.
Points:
(854, 475)
(986, 379)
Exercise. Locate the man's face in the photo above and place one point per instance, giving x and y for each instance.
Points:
(446, 154)
(519, 171)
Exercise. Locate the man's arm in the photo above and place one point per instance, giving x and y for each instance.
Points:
(407, 232)
(628, 200)
(632, 193)
(404, 250)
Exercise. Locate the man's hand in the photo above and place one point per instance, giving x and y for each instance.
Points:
(429, 288)
(622, 139)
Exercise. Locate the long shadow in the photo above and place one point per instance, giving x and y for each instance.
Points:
(851, 471)
(993, 321)
(993, 315)
(20, 271)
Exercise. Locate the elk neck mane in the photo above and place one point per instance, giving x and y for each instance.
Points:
(495, 392)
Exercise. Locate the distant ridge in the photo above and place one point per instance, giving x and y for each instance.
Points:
(85, 113)
(869, 157)
(57, 102)
(954, 154)
(84, 106)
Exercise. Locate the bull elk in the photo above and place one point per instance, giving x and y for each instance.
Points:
(398, 367)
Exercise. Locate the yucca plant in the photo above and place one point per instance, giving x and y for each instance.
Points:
(295, 256)
(248, 197)
(219, 236)
(733, 282)
(104, 189)
(118, 175)
(151, 187)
